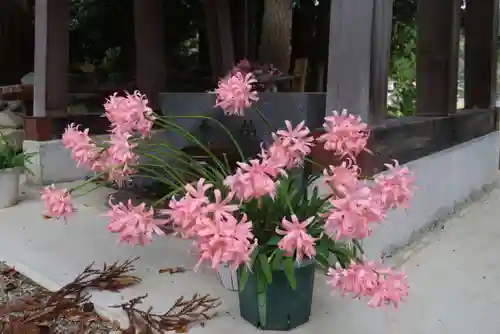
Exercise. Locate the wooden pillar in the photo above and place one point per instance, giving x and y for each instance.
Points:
(150, 49)
(481, 31)
(348, 79)
(437, 56)
(380, 58)
(50, 96)
(52, 19)
(220, 37)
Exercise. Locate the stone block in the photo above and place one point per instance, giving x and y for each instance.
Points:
(248, 130)
(10, 119)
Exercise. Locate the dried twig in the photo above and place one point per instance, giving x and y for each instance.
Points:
(177, 318)
(41, 311)
(171, 271)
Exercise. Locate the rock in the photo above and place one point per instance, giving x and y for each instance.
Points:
(10, 119)
(14, 136)
(28, 79)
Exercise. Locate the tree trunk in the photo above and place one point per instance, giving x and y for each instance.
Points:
(276, 35)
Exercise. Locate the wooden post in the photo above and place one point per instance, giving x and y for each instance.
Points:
(348, 80)
(380, 58)
(219, 31)
(150, 49)
(52, 19)
(437, 56)
(481, 31)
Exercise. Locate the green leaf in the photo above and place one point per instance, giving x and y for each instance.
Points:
(290, 272)
(277, 260)
(273, 241)
(322, 260)
(243, 278)
(266, 268)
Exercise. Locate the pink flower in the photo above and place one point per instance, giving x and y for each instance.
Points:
(344, 134)
(129, 113)
(225, 241)
(235, 93)
(186, 213)
(343, 178)
(290, 146)
(120, 157)
(351, 214)
(396, 186)
(221, 209)
(296, 238)
(83, 150)
(135, 224)
(199, 191)
(57, 202)
(381, 285)
(252, 180)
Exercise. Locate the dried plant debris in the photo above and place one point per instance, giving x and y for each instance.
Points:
(183, 313)
(44, 311)
(171, 271)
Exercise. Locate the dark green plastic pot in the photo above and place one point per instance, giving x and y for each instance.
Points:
(279, 306)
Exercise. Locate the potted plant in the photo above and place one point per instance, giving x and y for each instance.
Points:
(12, 164)
(265, 219)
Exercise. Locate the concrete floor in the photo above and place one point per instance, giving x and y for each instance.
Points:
(453, 272)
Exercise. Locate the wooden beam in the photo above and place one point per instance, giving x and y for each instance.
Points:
(437, 56)
(52, 18)
(380, 58)
(348, 79)
(481, 31)
(150, 49)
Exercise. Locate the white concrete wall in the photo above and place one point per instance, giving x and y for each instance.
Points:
(52, 162)
(445, 180)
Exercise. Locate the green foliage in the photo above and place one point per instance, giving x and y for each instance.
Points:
(10, 157)
(293, 196)
(403, 69)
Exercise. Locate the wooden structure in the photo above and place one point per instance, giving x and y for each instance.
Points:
(357, 71)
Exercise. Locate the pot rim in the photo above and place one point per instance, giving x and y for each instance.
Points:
(12, 169)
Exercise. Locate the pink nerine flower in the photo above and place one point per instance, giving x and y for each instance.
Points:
(225, 241)
(129, 113)
(395, 187)
(296, 238)
(83, 150)
(381, 285)
(136, 224)
(351, 214)
(120, 157)
(290, 146)
(342, 179)
(252, 180)
(186, 213)
(344, 134)
(235, 93)
(57, 202)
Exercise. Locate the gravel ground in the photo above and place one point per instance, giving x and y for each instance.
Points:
(14, 286)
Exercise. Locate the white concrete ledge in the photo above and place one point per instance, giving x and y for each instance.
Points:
(445, 180)
(52, 162)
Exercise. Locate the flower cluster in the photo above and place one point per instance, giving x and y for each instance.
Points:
(225, 216)
(115, 158)
(219, 235)
(380, 285)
